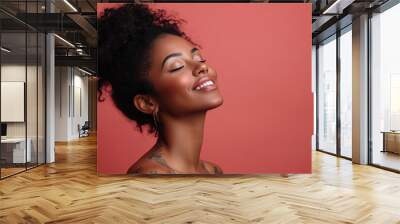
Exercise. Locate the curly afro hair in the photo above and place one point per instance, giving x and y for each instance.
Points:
(125, 36)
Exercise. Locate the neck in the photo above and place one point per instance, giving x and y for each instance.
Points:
(181, 139)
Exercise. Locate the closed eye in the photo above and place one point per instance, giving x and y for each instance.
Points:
(176, 69)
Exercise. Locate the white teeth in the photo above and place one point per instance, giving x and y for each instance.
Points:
(205, 84)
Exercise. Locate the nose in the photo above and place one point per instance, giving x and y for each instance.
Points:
(201, 68)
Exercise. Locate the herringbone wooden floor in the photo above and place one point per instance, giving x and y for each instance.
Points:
(70, 191)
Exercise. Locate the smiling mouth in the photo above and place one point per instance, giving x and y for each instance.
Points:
(208, 85)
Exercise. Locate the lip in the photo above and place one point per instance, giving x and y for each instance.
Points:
(201, 81)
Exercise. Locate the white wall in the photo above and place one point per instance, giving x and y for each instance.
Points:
(61, 103)
(71, 93)
(17, 72)
(12, 73)
(80, 110)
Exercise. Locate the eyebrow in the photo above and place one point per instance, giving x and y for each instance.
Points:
(176, 55)
(194, 50)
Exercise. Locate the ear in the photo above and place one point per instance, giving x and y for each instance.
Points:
(145, 103)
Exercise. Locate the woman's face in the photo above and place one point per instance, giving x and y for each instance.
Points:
(182, 79)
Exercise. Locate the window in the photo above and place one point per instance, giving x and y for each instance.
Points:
(346, 93)
(327, 95)
(385, 88)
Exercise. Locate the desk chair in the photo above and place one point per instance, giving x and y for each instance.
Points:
(84, 130)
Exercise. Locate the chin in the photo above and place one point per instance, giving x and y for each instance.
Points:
(218, 101)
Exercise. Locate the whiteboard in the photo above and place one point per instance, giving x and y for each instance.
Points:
(12, 101)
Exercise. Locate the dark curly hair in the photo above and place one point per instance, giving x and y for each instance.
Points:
(125, 36)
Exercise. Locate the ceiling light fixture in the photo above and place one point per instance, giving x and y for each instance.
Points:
(5, 50)
(337, 7)
(65, 41)
(70, 5)
(84, 71)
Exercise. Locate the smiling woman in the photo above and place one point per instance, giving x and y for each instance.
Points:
(160, 79)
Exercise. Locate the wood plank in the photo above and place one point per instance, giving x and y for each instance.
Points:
(70, 191)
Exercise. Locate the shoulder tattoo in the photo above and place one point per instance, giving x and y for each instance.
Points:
(156, 157)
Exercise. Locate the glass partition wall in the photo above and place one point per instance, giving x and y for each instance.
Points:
(334, 93)
(22, 88)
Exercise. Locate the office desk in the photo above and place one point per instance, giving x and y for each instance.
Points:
(391, 141)
(13, 150)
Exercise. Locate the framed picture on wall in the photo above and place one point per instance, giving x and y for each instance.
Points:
(198, 88)
(12, 101)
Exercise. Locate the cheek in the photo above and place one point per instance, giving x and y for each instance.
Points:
(175, 86)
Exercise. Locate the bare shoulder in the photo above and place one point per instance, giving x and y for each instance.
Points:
(212, 167)
(150, 163)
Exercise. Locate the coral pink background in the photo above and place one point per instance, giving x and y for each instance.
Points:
(262, 53)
